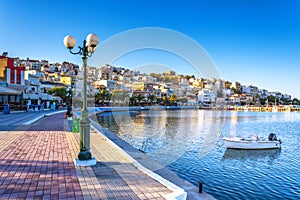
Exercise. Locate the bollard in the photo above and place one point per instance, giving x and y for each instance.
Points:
(75, 126)
(200, 186)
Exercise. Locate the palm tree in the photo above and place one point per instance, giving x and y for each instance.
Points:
(158, 101)
(102, 96)
(165, 100)
(139, 97)
(173, 98)
(132, 101)
(151, 98)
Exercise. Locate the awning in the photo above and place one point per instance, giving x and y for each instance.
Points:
(9, 91)
(42, 96)
(46, 96)
(30, 96)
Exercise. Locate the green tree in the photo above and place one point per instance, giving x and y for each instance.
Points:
(285, 101)
(151, 98)
(296, 101)
(59, 92)
(165, 100)
(132, 101)
(139, 97)
(271, 99)
(262, 101)
(102, 95)
(158, 100)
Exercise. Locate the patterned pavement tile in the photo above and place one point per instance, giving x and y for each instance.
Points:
(37, 163)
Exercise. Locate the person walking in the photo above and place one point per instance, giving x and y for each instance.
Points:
(69, 114)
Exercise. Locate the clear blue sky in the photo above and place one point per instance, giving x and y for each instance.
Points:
(251, 41)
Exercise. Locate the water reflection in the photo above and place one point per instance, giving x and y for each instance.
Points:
(166, 134)
(254, 155)
(189, 143)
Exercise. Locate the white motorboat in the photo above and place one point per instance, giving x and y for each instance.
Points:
(252, 142)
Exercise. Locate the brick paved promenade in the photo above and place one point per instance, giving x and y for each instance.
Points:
(37, 163)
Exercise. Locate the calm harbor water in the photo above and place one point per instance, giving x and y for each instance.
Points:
(189, 143)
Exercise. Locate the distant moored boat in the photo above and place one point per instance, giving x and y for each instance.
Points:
(252, 143)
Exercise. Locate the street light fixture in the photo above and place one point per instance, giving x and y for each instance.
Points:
(87, 49)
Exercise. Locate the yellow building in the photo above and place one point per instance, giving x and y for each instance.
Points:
(171, 73)
(3, 64)
(66, 80)
(138, 86)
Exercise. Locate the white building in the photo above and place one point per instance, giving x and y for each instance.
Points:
(32, 80)
(207, 96)
(249, 89)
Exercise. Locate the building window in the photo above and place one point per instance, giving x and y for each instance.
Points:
(12, 99)
(18, 78)
(12, 77)
(5, 98)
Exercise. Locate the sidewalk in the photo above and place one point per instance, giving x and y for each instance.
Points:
(37, 163)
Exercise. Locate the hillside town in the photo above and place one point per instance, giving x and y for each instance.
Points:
(28, 84)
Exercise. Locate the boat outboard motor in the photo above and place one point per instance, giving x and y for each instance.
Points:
(272, 137)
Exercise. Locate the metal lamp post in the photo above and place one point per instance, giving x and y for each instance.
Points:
(87, 49)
